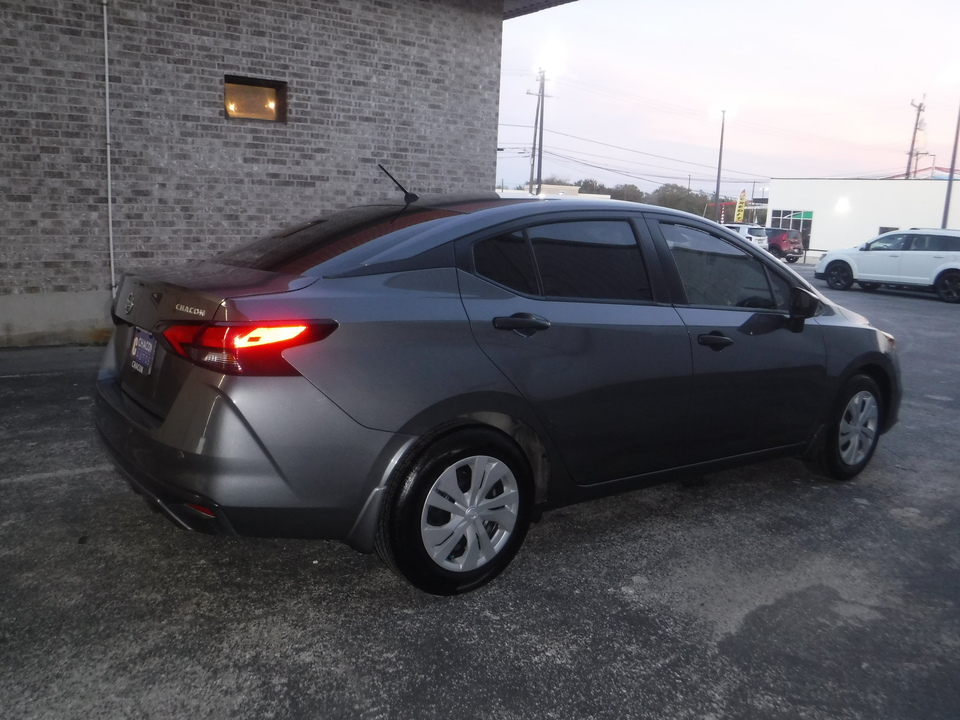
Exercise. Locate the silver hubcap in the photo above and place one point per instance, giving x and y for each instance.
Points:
(469, 513)
(858, 427)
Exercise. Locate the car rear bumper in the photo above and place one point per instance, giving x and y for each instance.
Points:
(242, 474)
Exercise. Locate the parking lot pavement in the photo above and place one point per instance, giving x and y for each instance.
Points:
(757, 593)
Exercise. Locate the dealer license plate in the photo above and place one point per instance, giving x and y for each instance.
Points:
(142, 350)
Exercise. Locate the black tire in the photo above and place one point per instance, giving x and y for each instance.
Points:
(869, 286)
(792, 259)
(447, 553)
(948, 286)
(775, 251)
(839, 276)
(852, 431)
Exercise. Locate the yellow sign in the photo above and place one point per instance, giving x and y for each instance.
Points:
(741, 206)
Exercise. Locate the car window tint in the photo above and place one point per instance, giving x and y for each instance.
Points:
(715, 272)
(934, 243)
(507, 260)
(948, 243)
(590, 259)
(888, 243)
(781, 290)
(301, 249)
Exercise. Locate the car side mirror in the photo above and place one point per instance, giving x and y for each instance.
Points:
(803, 304)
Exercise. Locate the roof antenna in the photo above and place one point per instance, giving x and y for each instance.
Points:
(408, 197)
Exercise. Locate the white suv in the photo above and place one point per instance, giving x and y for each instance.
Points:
(749, 232)
(916, 258)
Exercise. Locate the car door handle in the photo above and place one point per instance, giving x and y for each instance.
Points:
(716, 341)
(523, 323)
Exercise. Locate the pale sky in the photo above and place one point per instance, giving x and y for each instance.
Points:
(811, 88)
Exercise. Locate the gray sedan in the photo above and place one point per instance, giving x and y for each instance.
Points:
(423, 379)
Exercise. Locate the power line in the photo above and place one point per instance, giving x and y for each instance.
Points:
(654, 178)
(638, 152)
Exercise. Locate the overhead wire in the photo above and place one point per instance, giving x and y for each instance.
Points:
(757, 176)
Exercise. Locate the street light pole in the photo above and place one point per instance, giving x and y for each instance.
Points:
(716, 195)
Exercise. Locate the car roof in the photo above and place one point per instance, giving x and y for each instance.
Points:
(388, 231)
(943, 231)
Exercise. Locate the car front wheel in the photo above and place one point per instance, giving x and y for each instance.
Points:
(839, 276)
(948, 286)
(455, 516)
(853, 430)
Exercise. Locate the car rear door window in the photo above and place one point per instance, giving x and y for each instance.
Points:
(594, 260)
(933, 242)
(715, 272)
(508, 261)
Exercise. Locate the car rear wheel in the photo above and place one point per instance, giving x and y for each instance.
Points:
(853, 431)
(456, 514)
(792, 259)
(948, 286)
(775, 251)
(868, 286)
(839, 276)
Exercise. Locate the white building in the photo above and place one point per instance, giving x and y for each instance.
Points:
(841, 213)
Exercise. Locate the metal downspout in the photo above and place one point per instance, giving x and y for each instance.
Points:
(106, 87)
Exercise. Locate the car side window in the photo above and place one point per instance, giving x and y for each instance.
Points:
(889, 243)
(595, 259)
(508, 261)
(948, 243)
(934, 243)
(715, 272)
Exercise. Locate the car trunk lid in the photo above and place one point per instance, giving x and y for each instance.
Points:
(148, 372)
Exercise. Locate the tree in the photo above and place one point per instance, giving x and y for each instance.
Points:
(680, 198)
(630, 193)
(592, 187)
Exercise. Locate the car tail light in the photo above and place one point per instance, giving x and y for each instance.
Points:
(243, 348)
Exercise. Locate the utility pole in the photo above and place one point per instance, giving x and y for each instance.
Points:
(536, 152)
(913, 140)
(953, 168)
(716, 195)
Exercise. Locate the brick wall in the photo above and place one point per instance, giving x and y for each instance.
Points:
(409, 83)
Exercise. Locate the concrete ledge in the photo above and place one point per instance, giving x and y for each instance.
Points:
(73, 318)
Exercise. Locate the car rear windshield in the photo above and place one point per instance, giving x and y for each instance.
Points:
(297, 250)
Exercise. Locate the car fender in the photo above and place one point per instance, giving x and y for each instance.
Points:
(948, 266)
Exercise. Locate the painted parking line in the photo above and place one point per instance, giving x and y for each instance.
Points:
(56, 474)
